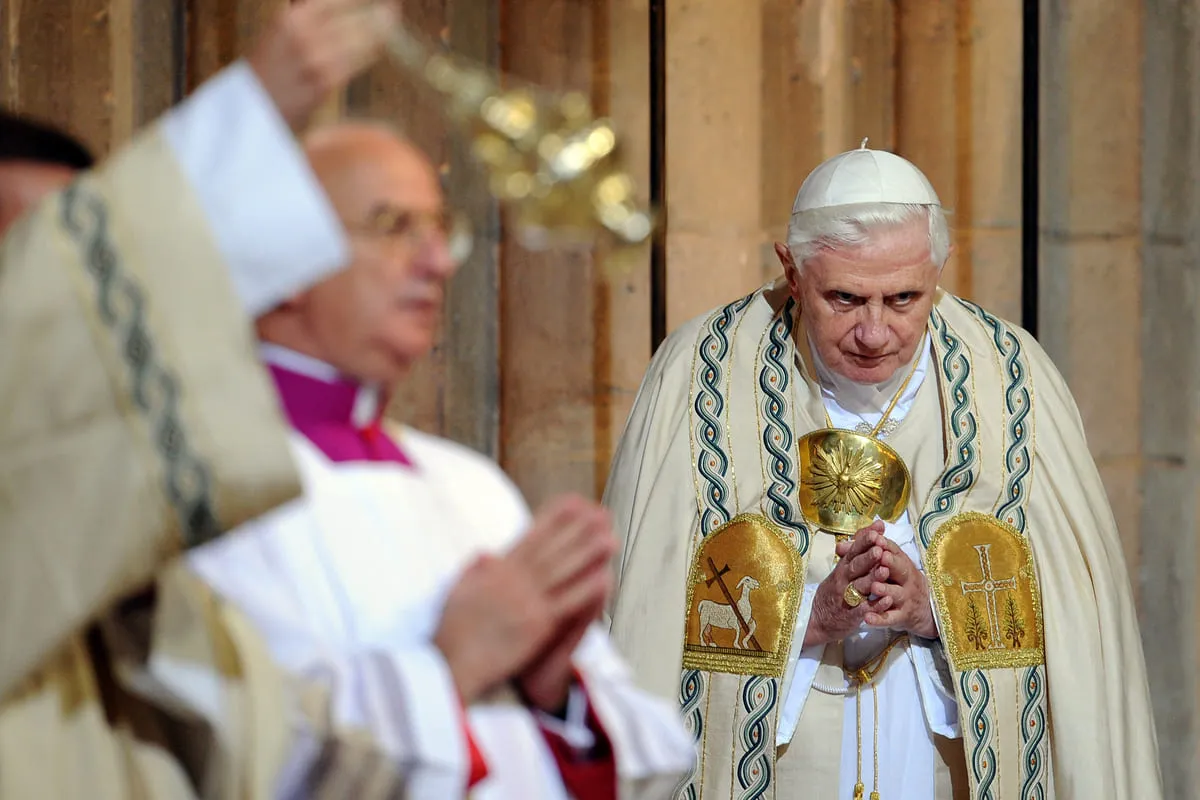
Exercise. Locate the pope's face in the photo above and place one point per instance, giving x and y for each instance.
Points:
(865, 308)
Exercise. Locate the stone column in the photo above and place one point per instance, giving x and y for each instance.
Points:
(829, 75)
(1170, 374)
(548, 300)
(98, 68)
(622, 295)
(1091, 240)
(959, 120)
(713, 153)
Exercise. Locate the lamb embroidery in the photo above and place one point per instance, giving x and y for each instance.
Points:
(744, 590)
(737, 617)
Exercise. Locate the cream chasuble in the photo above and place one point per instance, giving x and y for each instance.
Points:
(1038, 664)
(137, 422)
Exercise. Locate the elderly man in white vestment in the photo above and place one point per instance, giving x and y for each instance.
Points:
(865, 545)
(353, 583)
(138, 422)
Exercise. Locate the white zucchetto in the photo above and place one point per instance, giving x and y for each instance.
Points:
(864, 176)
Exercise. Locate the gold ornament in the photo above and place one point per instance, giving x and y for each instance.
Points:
(848, 479)
(845, 480)
(548, 159)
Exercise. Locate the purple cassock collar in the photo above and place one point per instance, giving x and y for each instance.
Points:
(340, 416)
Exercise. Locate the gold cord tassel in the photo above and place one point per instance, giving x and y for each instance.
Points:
(858, 786)
(875, 719)
(865, 677)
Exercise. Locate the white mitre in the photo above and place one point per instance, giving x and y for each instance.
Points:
(864, 176)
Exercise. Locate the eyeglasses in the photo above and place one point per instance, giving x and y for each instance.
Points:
(414, 229)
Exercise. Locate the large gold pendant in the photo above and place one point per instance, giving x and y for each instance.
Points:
(848, 479)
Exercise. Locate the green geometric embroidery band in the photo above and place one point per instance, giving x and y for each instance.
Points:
(756, 766)
(708, 403)
(693, 688)
(761, 694)
(778, 438)
(975, 687)
(754, 738)
(1018, 421)
(1010, 508)
(712, 468)
(155, 390)
(955, 365)
(1035, 744)
(976, 693)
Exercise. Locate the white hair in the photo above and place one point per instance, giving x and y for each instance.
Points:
(810, 232)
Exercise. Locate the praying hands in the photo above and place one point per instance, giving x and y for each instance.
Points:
(874, 583)
(585, 550)
(907, 588)
(520, 616)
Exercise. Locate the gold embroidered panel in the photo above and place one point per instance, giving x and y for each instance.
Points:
(848, 479)
(744, 591)
(983, 579)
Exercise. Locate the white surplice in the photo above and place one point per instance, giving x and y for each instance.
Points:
(347, 585)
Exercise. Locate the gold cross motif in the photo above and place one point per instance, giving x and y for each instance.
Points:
(989, 587)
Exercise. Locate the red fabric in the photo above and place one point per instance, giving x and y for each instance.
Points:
(381, 447)
(591, 775)
(479, 767)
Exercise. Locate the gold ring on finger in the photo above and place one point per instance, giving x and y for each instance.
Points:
(852, 596)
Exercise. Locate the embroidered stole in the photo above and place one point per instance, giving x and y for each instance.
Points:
(750, 555)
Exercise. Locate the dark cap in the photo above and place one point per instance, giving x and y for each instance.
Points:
(22, 139)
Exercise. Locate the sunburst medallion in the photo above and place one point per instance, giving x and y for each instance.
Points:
(846, 481)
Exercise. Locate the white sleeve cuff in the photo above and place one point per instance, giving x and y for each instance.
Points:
(407, 701)
(933, 682)
(435, 714)
(271, 221)
(647, 735)
(800, 673)
(574, 730)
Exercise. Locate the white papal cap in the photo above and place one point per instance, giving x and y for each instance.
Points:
(864, 176)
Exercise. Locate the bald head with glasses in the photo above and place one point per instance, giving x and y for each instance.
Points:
(381, 314)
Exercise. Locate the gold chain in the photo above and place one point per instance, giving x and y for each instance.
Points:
(858, 781)
(866, 673)
(875, 773)
(891, 406)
